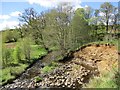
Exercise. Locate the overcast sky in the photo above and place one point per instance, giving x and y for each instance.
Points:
(10, 9)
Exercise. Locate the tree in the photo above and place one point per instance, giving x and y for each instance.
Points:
(114, 18)
(88, 12)
(96, 14)
(10, 35)
(33, 25)
(22, 30)
(107, 9)
(80, 28)
(56, 29)
(94, 21)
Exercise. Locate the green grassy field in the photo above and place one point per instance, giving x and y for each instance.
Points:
(12, 70)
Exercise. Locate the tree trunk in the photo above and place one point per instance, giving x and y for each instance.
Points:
(107, 27)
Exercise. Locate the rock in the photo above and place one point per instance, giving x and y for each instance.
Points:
(51, 78)
(67, 73)
(85, 73)
(80, 82)
(63, 86)
(48, 85)
(82, 79)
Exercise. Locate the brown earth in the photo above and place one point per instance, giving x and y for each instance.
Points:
(104, 56)
(10, 45)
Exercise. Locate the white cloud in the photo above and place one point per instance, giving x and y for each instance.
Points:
(86, 6)
(12, 14)
(44, 3)
(6, 20)
(77, 6)
(8, 24)
(5, 17)
(15, 14)
(54, 3)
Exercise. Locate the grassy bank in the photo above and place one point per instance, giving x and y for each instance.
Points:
(15, 68)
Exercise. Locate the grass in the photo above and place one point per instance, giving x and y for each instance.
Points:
(117, 79)
(11, 71)
(49, 67)
(38, 79)
(37, 51)
(106, 80)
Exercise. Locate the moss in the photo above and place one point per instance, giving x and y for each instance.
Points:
(47, 69)
(38, 79)
(50, 67)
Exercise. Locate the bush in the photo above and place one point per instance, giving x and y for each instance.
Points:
(17, 54)
(6, 75)
(10, 36)
(26, 48)
(6, 56)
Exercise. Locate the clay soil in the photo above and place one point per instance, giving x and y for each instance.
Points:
(104, 56)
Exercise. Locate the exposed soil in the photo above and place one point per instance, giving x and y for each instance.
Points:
(104, 56)
(10, 45)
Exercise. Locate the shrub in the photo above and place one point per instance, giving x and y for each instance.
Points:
(26, 48)
(17, 54)
(10, 36)
(6, 56)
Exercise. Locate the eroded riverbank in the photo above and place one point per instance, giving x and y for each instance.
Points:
(86, 62)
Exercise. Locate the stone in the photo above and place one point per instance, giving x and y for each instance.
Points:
(51, 78)
(85, 73)
(82, 79)
(63, 85)
(80, 82)
(67, 73)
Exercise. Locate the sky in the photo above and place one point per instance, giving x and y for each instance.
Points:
(10, 9)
